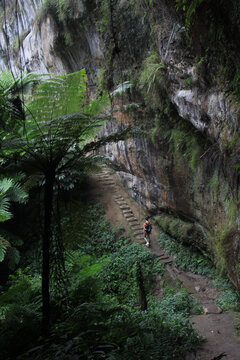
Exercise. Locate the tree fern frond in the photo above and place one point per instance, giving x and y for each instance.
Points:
(5, 215)
(24, 82)
(59, 96)
(5, 185)
(4, 244)
(4, 203)
(17, 194)
(6, 80)
(97, 105)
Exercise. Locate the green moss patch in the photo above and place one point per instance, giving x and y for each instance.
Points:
(183, 231)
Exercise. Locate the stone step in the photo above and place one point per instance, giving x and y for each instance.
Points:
(140, 237)
(104, 177)
(108, 182)
(137, 227)
(211, 309)
(130, 218)
(163, 257)
(133, 222)
(137, 232)
(166, 261)
(121, 202)
(127, 213)
(124, 207)
(161, 254)
(118, 197)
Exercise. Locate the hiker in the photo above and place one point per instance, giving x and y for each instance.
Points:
(147, 231)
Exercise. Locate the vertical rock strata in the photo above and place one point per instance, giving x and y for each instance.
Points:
(184, 100)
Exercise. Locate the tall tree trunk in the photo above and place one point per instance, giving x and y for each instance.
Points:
(47, 233)
(142, 292)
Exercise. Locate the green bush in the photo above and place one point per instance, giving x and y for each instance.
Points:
(187, 258)
(20, 313)
(84, 282)
(119, 272)
(100, 316)
(86, 229)
(151, 80)
(229, 298)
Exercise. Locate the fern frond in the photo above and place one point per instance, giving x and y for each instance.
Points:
(4, 244)
(17, 194)
(122, 88)
(90, 164)
(58, 96)
(5, 214)
(5, 185)
(25, 82)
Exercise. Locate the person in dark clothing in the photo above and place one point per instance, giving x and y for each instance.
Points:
(147, 231)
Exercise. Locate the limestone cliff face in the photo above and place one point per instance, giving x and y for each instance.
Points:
(184, 164)
(33, 39)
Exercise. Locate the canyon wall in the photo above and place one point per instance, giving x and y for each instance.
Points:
(181, 65)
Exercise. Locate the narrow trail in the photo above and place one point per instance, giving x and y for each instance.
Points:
(216, 327)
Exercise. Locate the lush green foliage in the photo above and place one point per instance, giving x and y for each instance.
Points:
(20, 312)
(22, 84)
(151, 80)
(189, 9)
(10, 190)
(229, 298)
(100, 316)
(57, 118)
(186, 257)
(184, 142)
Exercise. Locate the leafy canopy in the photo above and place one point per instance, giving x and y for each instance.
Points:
(58, 122)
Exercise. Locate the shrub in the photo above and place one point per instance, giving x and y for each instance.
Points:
(119, 272)
(20, 313)
(187, 258)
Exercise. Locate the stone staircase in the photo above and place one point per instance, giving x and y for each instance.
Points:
(108, 181)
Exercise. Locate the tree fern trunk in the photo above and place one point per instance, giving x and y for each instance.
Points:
(48, 204)
(142, 292)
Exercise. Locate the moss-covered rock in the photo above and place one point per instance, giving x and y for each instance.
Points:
(183, 231)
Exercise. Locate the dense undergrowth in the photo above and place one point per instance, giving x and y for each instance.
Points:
(189, 259)
(99, 316)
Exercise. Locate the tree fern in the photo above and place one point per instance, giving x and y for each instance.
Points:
(60, 95)
(23, 83)
(9, 191)
(56, 134)
(4, 244)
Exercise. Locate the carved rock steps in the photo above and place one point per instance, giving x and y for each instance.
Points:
(106, 180)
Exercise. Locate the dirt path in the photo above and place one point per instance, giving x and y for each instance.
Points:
(216, 327)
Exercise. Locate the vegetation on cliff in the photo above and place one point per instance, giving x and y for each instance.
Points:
(50, 139)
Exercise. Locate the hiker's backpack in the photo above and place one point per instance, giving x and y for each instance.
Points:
(148, 227)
